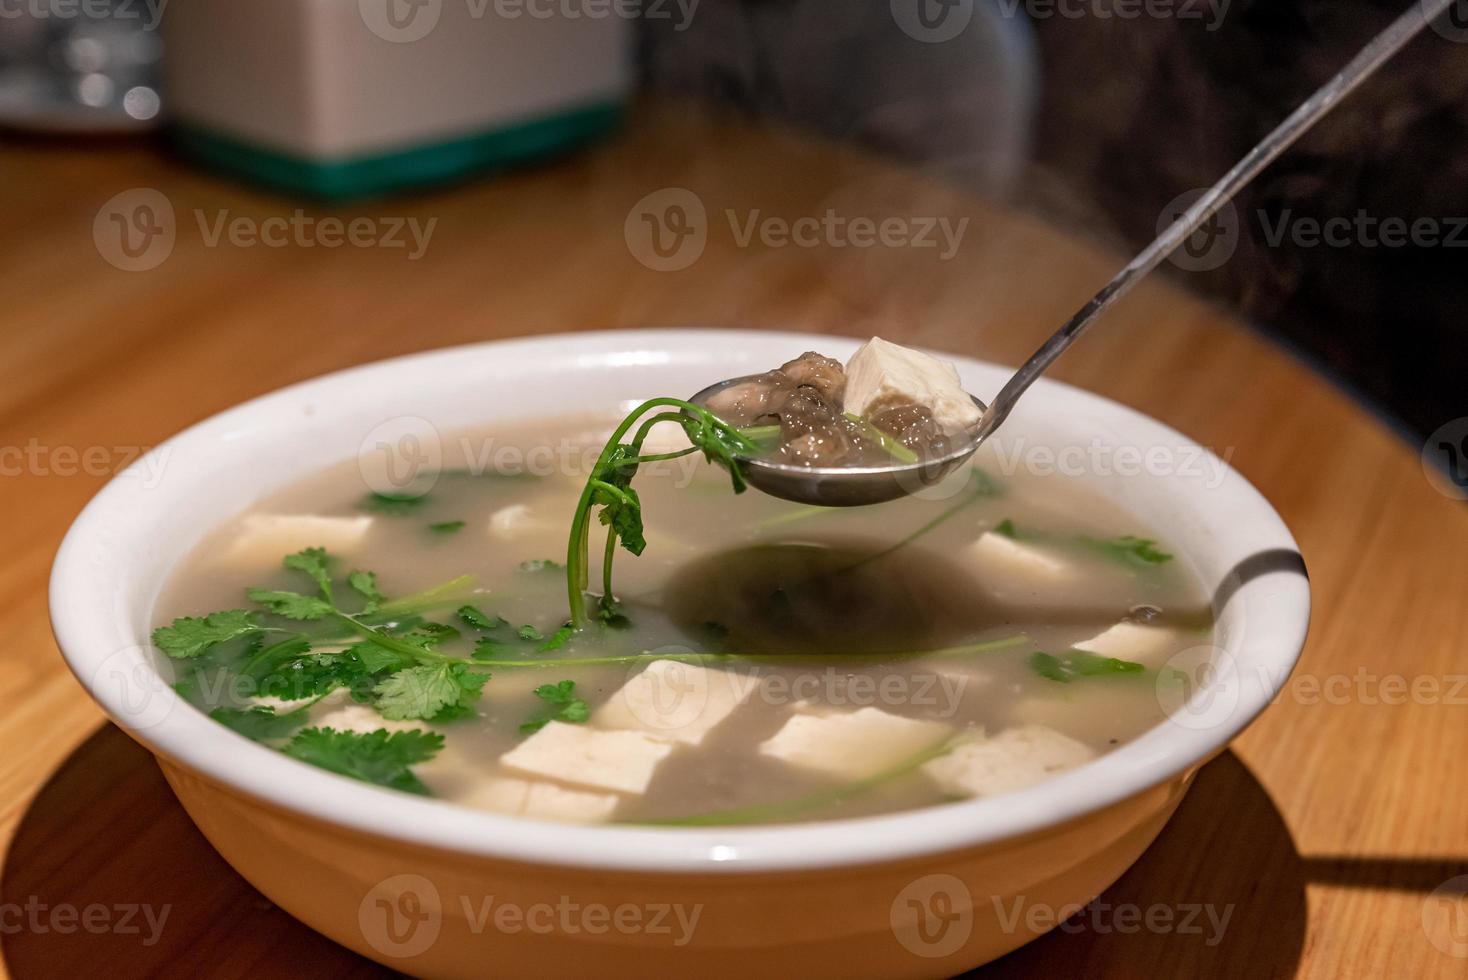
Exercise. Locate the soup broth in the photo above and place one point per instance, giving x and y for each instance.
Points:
(766, 662)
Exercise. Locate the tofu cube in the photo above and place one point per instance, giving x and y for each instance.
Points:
(1130, 641)
(1018, 573)
(621, 761)
(881, 374)
(1013, 759)
(362, 718)
(539, 800)
(263, 539)
(675, 702)
(852, 745)
(1093, 713)
(1003, 557)
(512, 522)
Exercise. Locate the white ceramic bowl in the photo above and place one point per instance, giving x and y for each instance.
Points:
(404, 879)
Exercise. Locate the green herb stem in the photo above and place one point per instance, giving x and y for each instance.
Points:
(428, 598)
(615, 458)
(968, 649)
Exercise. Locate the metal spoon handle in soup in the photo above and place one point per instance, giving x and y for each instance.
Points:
(1386, 44)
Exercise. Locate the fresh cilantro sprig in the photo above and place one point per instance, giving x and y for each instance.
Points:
(476, 619)
(564, 706)
(1128, 549)
(260, 723)
(392, 504)
(609, 487)
(430, 692)
(1078, 663)
(191, 636)
(365, 585)
(382, 758)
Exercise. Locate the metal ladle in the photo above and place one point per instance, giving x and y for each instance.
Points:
(833, 486)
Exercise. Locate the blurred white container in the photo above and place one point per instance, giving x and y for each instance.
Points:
(345, 98)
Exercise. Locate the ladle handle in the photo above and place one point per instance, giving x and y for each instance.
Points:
(1386, 44)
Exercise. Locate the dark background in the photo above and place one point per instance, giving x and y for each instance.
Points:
(1131, 113)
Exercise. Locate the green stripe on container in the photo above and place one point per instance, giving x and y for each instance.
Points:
(420, 166)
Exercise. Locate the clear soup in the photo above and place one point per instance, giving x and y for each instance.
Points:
(800, 663)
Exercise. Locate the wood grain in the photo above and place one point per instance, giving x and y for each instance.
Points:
(1326, 828)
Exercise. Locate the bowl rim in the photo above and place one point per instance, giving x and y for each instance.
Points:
(89, 636)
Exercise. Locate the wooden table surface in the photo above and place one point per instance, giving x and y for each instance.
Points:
(1322, 833)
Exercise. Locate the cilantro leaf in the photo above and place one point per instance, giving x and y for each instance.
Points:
(720, 444)
(558, 639)
(260, 722)
(376, 658)
(433, 634)
(392, 504)
(1007, 529)
(315, 563)
(365, 585)
(564, 703)
(1130, 548)
(1079, 663)
(530, 633)
(425, 692)
(478, 620)
(447, 527)
(190, 636)
(488, 648)
(381, 757)
(291, 605)
(317, 674)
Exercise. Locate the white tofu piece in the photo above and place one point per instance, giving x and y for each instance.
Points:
(1016, 573)
(675, 702)
(279, 705)
(1013, 759)
(1132, 641)
(514, 521)
(362, 718)
(852, 745)
(540, 800)
(263, 539)
(880, 373)
(616, 760)
(1003, 557)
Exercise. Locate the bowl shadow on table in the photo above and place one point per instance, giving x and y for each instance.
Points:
(106, 838)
